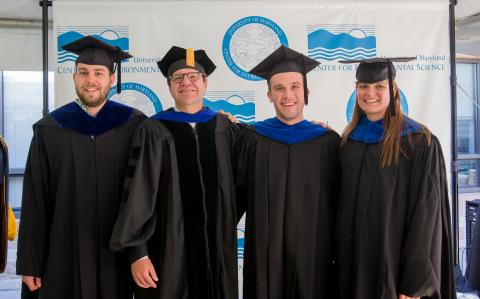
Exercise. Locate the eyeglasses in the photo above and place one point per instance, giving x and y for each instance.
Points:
(192, 77)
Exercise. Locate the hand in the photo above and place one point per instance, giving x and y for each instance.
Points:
(33, 283)
(144, 274)
(406, 297)
(322, 124)
(232, 118)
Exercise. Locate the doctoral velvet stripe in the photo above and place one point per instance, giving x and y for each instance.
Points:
(202, 116)
(368, 131)
(274, 129)
(73, 117)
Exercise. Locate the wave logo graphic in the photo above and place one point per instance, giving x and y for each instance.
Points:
(240, 104)
(352, 100)
(240, 242)
(248, 41)
(341, 42)
(115, 36)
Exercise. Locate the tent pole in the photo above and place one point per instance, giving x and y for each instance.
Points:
(454, 152)
(45, 5)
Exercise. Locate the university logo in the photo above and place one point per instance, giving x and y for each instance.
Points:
(239, 103)
(138, 96)
(248, 41)
(240, 255)
(240, 242)
(352, 99)
(341, 42)
(115, 36)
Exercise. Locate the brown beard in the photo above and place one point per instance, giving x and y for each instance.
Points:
(95, 102)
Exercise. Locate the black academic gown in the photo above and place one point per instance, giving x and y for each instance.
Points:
(71, 194)
(393, 228)
(180, 208)
(289, 193)
(473, 268)
(3, 204)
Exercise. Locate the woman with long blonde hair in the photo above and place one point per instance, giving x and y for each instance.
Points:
(393, 227)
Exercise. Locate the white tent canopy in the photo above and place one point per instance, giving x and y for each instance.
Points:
(20, 31)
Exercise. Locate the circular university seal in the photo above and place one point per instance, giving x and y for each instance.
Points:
(248, 41)
(138, 96)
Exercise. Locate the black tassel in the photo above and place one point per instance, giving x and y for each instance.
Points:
(392, 104)
(305, 89)
(119, 77)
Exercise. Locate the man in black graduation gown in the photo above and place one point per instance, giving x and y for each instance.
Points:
(285, 175)
(178, 218)
(72, 186)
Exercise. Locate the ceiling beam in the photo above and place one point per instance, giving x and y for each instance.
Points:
(22, 23)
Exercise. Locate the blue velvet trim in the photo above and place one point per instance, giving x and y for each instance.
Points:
(72, 116)
(202, 116)
(274, 129)
(368, 131)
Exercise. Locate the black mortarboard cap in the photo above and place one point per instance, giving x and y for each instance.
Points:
(179, 58)
(93, 51)
(284, 60)
(377, 69)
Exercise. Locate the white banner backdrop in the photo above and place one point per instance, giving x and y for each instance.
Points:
(237, 35)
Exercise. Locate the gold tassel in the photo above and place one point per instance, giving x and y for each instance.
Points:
(190, 58)
(12, 224)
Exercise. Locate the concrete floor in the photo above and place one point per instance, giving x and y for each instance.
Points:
(10, 283)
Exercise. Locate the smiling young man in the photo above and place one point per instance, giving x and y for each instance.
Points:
(285, 176)
(72, 185)
(92, 84)
(178, 220)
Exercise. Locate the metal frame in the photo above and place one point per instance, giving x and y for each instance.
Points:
(45, 5)
(453, 91)
(454, 152)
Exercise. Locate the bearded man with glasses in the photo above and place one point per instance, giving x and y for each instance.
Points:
(178, 216)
